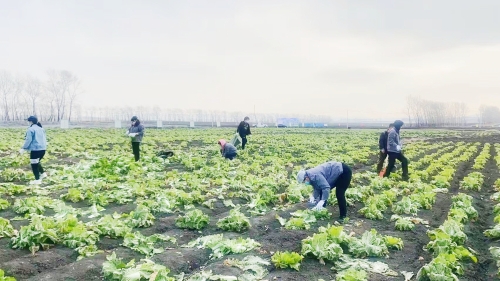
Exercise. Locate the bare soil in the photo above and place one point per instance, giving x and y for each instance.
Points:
(59, 263)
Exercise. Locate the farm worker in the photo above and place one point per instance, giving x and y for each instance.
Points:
(36, 143)
(323, 179)
(394, 150)
(136, 132)
(244, 130)
(227, 150)
(382, 145)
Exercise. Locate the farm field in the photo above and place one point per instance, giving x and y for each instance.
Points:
(197, 216)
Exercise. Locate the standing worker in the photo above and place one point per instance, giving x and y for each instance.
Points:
(244, 130)
(227, 150)
(382, 145)
(394, 150)
(323, 179)
(36, 143)
(136, 132)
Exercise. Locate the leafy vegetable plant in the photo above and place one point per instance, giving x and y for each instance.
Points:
(145, 244)
(236, 221)
(352, 274)
(287, 259)
(319, 246)
(194, 219)
(371, 244)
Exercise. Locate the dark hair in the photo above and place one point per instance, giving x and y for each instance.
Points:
(39, 125)
(246, 118)
(391, 125)
(137, 121)
(32, 119)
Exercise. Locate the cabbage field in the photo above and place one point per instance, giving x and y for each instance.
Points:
(196, 216)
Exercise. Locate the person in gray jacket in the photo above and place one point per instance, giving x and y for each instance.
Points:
(136, 133)
(36, 143)
(394, 150)
(227, 150)
(323, 179)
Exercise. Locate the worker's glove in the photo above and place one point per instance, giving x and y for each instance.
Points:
(312, 199)
(319, 206)
(398, 147)
(22, 151)
(132, 135)
(382, 150)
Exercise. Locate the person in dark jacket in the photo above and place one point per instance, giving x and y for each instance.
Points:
(382, 145)
(323, 179)
(36, 143)
(394, 150)
(136, 133)
(227, 150)
(244, 130)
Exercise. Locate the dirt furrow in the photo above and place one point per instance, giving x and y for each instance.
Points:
(485, 269)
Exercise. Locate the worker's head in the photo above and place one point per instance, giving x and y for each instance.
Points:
(222, 143)
(134, 120)
(246, 119)
(32, 120)
(391, 125)
(398, 124)
(302, 178)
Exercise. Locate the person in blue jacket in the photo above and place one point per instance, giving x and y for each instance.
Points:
(323, 179)
(36, 143)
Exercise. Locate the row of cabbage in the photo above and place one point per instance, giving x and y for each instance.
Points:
(448, 242)
(494, 232)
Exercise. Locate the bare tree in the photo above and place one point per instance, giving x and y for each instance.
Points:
(6, 91)
(74, 90)
(489, 115)
(15, 101)
(56, 92)
(33, 92)
(58, 85)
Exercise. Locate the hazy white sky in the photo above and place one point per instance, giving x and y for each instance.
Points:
(284, 56)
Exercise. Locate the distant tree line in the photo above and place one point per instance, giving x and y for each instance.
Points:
(426, 113)
(489, 115)
(104, 114)
(50, 99)
(55, 97)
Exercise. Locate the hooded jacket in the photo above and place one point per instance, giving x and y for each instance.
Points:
(139, 129)
(323, 178)
(393, 139)
(36, 139)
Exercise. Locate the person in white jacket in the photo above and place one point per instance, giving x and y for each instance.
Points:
(395, 150)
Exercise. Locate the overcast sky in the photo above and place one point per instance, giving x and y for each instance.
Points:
(283, 56)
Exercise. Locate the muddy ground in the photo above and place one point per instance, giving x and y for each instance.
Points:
(59, 263)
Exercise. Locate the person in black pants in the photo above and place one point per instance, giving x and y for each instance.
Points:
(136, 133)
(244, 130)
(395, 150)
(323, 179)
(382, 145)
(36, 143)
